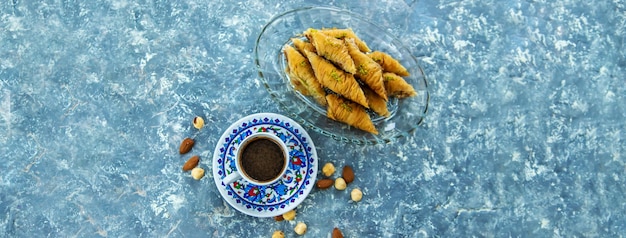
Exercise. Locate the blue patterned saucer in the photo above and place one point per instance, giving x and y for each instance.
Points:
(281, 196)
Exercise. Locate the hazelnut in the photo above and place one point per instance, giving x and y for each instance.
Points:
(290, 215)
(340, 184)
(356, 195)
(278, 234)
(197, 173)
(328, 169)
(300, 228)
(198, 122)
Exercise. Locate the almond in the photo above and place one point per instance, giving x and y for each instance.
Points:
(324, 183)
(348, 174)
(279, 218)
(191, 163)
(337, 233)
(186, 145)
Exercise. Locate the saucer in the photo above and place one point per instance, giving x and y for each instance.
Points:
(281, 196)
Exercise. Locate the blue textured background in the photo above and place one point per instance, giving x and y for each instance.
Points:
(524, 136)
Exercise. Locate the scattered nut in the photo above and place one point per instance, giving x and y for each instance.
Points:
(356, 195)
(300, 228)
(337, 233)
(186, 145)
(290, 215)
(348, 174)
(197, 173)
(198, 122)
(340, 184)
(328, 169)
(191, 163)
(279, 218)
(324, 183)
(278, 234)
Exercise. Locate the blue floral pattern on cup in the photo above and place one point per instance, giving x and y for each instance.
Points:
(288, 189)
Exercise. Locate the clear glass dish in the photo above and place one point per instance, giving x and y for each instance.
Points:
(406, 114)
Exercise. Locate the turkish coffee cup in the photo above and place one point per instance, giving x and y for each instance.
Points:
(261, 159)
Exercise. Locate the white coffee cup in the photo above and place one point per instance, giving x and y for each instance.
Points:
(240, 160)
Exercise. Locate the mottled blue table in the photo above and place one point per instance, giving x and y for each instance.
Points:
(524, 136)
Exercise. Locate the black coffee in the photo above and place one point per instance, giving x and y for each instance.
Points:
(262, 159)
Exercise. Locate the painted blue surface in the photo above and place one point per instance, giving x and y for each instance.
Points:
(524, 136)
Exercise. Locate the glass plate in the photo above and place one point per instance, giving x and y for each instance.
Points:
(406, 114)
